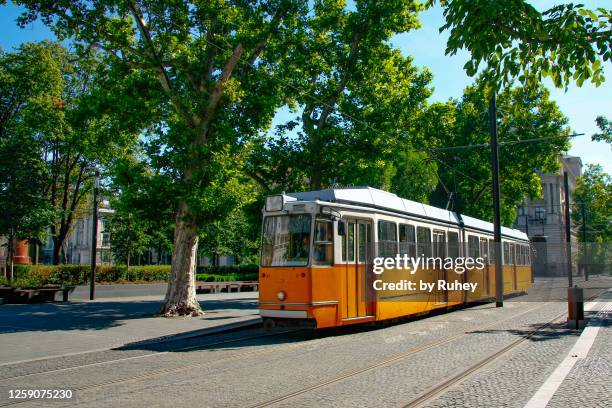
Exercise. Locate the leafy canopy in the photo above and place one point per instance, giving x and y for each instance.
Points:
(511, 39)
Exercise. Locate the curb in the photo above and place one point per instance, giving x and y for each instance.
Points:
(196, 333)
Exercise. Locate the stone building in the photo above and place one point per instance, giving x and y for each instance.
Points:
(544, 221)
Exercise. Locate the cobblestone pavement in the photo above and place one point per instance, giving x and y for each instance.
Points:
(248, 372)
(589, 383)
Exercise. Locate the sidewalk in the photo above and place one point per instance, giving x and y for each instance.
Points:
(583, 377)
(52, 329)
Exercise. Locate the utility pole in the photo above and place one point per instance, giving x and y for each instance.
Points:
(585, 259)
(94, 239)
(568, 232)
(499, 277)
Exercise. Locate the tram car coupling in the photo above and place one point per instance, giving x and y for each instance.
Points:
(318, 248)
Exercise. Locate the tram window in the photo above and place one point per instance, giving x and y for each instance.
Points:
(528, 255)
(387, 239)
(323, 253)
(286, 240)
(507, 260)
(453, 244)
(423, 242)
(363, 230)
(491, 252)
(348, 243)
(473, 249)
(407, 240)
(439, 244)
(484, 250)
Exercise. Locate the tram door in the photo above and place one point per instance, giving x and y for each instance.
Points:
(358, 288)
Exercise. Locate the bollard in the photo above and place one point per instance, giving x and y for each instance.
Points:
(575, 306)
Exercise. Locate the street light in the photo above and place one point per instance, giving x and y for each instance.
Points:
(94, 238)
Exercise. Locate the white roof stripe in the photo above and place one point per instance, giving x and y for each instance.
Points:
(373, 197)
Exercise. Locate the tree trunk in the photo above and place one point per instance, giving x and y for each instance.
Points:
(10, 258)
(128, 265)
(181, 297)
(57, 249)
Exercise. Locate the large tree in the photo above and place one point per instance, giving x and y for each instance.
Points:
(357, 99)
(30, 78)
(512, 39)
(525, 115)
(211, 69)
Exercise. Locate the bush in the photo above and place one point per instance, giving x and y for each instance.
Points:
(210, 277)
(40, 275)
(229, 270)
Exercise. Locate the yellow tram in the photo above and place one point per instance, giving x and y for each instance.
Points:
(318, 247)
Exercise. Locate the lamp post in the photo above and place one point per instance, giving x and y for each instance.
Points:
(94, 238)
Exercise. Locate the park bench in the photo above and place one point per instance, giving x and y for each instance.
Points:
(37, 295)
(217, 287)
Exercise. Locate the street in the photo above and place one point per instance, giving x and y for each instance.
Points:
(477, 356)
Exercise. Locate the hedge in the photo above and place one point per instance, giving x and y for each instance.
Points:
(27, 276)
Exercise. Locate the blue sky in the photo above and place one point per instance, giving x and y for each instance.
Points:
(427, 45)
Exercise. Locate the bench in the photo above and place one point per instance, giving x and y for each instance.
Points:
(217, 287)
(38, 295)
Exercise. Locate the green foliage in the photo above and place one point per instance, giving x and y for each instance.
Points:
(523, 114)
(346, 64)
(594, 191)
(510, 39)
(28, 79)
(79, 274)
(226, 270)
(29, 276)
(234, 235)
(206, 277)
(606, 130)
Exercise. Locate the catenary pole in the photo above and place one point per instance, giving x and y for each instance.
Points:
(499, 278)
(94, 240)
(568, 232)
(584, 243)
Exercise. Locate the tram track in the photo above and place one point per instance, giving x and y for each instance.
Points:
(385, 362)
(436, 391)
(160, 372)
(440, 388)
(388, 361)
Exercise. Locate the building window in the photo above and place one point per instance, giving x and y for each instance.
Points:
(552, 197)
(540, 213)
(106, 239)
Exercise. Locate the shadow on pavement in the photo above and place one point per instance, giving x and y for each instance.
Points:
(100, 315)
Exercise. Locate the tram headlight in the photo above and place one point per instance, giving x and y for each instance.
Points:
(281, 295)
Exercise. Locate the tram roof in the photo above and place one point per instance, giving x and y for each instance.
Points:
(373, 197)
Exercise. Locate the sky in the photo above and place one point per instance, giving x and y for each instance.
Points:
(426, 45)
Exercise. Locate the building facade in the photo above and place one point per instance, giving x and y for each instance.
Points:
(543, 220)
(77, 247)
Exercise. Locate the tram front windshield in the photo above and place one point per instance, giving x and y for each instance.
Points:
(286, 240)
